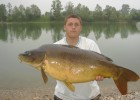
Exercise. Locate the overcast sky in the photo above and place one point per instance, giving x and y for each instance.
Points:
(45, 5)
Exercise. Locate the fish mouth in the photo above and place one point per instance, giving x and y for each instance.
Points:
(24, 58)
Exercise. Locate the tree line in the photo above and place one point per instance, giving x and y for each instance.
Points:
(58, 13)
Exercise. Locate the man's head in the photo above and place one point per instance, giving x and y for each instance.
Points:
(73, 26)
(72, 16)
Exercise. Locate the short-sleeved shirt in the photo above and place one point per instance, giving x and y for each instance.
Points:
(83, 91)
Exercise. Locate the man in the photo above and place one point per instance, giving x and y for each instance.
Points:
(83, 91)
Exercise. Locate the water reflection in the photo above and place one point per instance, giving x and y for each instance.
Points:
(34, 30)
(3, 32)
(21, 31)
(111, 29)
(57, 29)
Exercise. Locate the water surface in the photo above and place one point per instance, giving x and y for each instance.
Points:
(119, 41)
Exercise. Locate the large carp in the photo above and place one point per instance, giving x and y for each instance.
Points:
(74, 65)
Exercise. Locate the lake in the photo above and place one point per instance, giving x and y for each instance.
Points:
(118, 41)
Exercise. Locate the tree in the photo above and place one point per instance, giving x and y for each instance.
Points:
(114, 14)
(21, 13)
(35, 12)
(3, 12)
(77, 9)
(83, 12)
(28, 14)
(32, 13)
(107, 12)
(97, 14)
(124, 12)
(18, 14)
(15, 14)
(135, 14)
(56, 9)
(125, 9)
(9, 6)
(69, 9)
(110, 13)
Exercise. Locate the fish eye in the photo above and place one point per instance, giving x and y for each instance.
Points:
(28, 53)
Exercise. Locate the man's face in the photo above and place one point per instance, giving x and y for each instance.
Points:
(73, 27)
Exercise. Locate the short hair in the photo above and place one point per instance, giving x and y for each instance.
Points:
(72, 16)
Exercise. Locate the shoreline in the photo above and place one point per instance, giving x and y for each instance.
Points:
(46, 93)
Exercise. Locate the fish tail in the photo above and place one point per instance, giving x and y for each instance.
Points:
(125, 76)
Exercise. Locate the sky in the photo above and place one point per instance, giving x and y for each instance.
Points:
(45, 5)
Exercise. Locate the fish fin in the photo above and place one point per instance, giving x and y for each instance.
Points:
(125, 76)
(44, 76)
(103, 56)
(121, 85)
(70, 86)
(107, 58)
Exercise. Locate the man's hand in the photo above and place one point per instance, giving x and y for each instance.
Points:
(99, 78)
